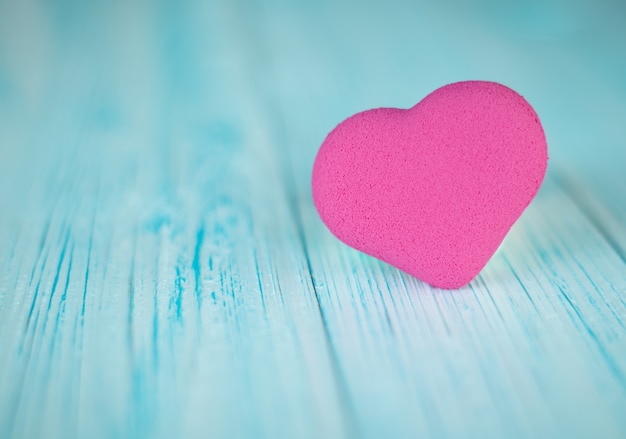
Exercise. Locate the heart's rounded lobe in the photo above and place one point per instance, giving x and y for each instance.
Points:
(434, 189)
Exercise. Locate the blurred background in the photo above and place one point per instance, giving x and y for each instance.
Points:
(322, 61)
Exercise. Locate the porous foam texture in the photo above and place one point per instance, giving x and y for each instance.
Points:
(434, 189)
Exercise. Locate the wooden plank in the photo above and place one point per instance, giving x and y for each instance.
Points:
(157, 237)
(534, 347)
(536, 340)
(601, 195)
(153, 281)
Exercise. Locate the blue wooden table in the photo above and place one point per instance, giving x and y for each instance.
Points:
(163, 272)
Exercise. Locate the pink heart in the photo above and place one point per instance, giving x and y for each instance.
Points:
(434, 189)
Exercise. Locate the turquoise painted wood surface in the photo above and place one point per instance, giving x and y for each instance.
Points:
(163, 272)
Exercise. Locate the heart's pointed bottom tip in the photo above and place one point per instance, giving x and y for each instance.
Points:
(444, 282)
(449, 286)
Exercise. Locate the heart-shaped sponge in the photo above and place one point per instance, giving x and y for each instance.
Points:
(434, 189)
